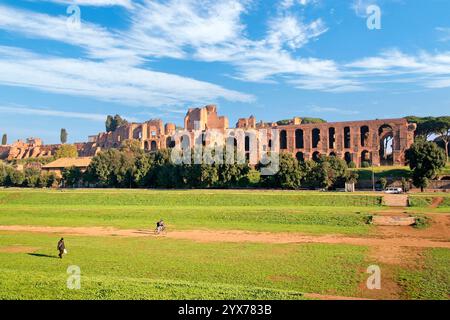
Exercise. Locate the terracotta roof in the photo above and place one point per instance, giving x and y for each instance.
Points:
(68, 162)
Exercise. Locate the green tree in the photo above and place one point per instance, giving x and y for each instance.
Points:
(442, 128)
(425, 159)
(131, 145)
(31, 177)
(102, 168)
(63, 136)
(4, 139)
(43, 180)
(424, 126)
(108, 123)
(112, 123)
(328, 172)
(72, 176)
(405, 184)
(251, 179)
(113, 168)
(66, 151)
(4, 172)
(351, 176)
(305, 120)
(383, 183)
(15, 178)
(289, 174)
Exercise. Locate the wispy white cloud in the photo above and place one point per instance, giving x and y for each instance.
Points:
(96, 40)
(360, 7)
(342, 111)
(207, 31)
(291, 32)
(425, 69)
(27, 111)
(287, 4)
(444, 34)
(212, 31)
(96, 3)
(106, 81)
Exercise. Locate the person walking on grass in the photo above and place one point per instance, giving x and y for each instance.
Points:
(61, 248)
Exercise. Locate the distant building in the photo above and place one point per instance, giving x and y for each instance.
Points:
(59, 165)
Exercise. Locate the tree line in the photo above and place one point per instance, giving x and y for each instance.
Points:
(131, 167)
(433, 126)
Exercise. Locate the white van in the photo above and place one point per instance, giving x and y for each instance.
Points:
(393, 190)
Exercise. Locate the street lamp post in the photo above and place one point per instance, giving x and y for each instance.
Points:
(373, 172)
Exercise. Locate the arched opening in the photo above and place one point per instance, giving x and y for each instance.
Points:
(315, 138)
(153, 146)
(270, 144)
(331, 137)
(146, 146)
(364, 131)
(137, 133)
(386, 135)
(348, 157)
(316, 156)
(247, 143)
(347, 137)
(333, 154)
(300, 157)
(185, 141)
(299, 139)
(283, 139)
(203, 137)
(170, 143)
(365, 159)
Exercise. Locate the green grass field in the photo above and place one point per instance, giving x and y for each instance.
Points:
(163, 268)
(393, 172)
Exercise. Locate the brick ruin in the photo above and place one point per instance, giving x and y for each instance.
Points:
(381, 141)
(31, 148)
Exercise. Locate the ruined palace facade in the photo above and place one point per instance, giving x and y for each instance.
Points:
(377, 142)
(380, 142)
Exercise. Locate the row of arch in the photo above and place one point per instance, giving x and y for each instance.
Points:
(385, 134)
(316, 138)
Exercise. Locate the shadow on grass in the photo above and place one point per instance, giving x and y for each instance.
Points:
(41, 255)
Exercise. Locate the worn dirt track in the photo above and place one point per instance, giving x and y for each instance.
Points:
(240, 236)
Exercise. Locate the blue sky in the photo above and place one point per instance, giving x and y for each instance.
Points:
(274, 59)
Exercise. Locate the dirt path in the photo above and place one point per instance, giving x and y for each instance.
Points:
(240, 236)
(329, 297)
(436, 202)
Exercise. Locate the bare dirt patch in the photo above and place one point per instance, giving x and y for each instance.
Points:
(439, 229)
(330, 297)
(18, 249)
(436, 202)
(241, 236)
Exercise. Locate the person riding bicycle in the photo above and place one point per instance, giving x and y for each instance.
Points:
(160, 226)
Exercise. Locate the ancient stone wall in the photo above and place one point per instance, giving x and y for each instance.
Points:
(377, 142)
(356, 141)
(32, 148)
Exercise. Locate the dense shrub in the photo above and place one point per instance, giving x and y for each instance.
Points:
(365, 164)
(31, 177)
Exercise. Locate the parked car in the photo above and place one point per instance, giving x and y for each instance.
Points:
(393, 190)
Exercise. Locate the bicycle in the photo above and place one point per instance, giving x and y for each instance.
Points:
(160, 230)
